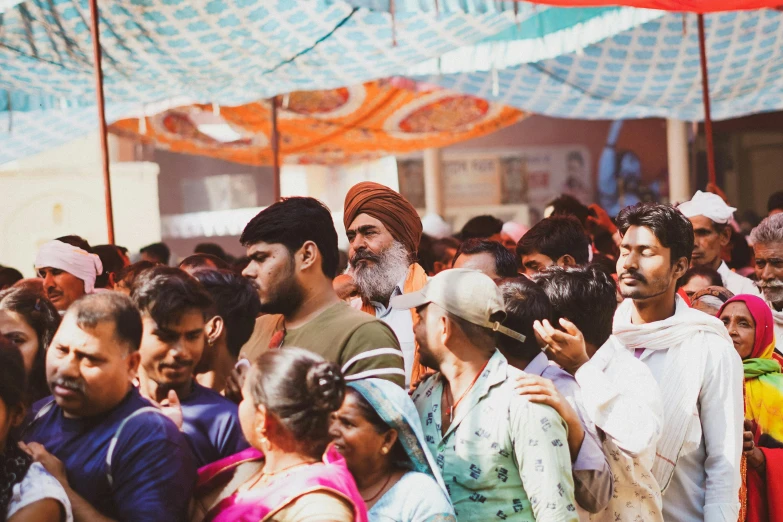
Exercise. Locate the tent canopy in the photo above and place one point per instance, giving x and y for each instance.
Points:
(342, 125)
(649, 71)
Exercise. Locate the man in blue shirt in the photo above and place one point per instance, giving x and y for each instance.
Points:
(116, 456)
(174, 309)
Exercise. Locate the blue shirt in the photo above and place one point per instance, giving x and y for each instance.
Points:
(211, 425)
(152, 468)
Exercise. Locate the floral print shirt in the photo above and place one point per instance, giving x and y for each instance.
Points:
(502, 457)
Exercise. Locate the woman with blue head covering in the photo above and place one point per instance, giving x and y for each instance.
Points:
(379, 433)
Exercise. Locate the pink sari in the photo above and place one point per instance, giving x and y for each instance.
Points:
(331, 476)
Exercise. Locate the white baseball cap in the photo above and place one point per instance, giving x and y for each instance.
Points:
(469, 294)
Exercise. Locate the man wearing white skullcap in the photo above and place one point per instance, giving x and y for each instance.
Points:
(710, 216)
(69, 272)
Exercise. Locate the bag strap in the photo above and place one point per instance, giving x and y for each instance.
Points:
(116, 437)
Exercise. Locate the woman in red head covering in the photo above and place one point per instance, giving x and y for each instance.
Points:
(749, 322)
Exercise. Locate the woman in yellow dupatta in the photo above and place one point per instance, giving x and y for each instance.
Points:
(749, 322)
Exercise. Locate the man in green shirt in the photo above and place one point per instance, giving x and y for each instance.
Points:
(502, 457)
(292, 246)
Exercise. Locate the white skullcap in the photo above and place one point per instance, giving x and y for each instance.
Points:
(708, 205)
(435, 227)
(68, 258)
(514, 230)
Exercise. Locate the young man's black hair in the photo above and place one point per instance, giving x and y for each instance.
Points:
(292, 222)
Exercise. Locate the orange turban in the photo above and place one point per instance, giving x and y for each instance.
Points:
(387, 206)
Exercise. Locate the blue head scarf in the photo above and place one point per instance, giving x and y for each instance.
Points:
(397, 410)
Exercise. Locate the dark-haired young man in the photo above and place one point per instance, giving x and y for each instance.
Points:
(525, 304)
(234, 318)
(116, 456)
(292, 246)
(697, 368)
(113, 261)
(174, 310)
(619, 394)
(200, 261)
(158, 253)
(489, 257)
(554, 241)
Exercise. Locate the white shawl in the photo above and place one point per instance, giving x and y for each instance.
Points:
(778, 317)
(683, 335)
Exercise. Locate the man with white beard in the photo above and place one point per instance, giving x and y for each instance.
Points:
(767, 241)
(384, 231)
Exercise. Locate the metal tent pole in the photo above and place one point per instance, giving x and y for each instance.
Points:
(705, 87)
(275, 150)
(96, 49)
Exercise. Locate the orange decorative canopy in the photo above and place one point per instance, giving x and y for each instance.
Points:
(327, 127)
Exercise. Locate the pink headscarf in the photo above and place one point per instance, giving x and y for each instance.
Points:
(764, 344)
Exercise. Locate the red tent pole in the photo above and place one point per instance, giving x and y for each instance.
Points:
(275, 151)
(705, 88)
(96, 50)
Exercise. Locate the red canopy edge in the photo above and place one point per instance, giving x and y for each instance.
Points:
(689, 6)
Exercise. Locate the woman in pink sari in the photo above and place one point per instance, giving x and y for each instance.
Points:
(288, 397)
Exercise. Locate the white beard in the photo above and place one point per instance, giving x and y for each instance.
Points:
(773, 292)
(377, 281)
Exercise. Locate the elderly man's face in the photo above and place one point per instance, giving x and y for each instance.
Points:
(708, 241)
(88, 371)
(368, 238)
(769, 271)
(61, 288)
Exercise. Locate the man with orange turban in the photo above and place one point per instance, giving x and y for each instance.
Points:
(384, 231)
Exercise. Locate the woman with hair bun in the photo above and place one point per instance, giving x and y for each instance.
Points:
(287, 475)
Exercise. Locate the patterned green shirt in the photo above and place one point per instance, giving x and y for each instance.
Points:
(503, 457)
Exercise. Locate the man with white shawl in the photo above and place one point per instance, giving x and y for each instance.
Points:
(68, 272)
(711, 217)
(767, 241)
(690, 354)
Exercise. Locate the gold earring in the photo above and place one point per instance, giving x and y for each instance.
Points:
(384, 450)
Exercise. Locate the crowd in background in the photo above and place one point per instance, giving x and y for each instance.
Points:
(588, 368)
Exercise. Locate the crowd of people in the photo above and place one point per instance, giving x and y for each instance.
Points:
(589, 368)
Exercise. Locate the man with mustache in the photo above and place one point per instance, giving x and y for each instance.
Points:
(767, 239)
(710, 216)
(697, 461)
(116, 456)
(68, 269)
(554, 241)
(174, 310)
(384, 231)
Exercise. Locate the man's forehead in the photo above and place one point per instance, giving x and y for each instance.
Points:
(640, 236)
(535, 256)
(84, 338)
(366, 220)
(190, 320)
(702, 222)
(265, 248)
(767, 250)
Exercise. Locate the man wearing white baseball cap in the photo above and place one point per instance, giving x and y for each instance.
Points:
(501, 455)
(68, 271)
(710, 217)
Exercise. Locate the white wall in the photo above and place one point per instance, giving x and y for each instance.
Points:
(60, 192)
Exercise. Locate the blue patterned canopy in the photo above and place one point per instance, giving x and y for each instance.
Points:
(647, 71)
(235, 51)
